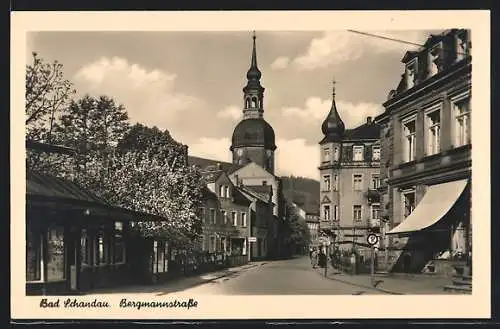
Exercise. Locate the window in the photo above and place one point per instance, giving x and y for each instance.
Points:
(34, 260)
(335, 182)
(357, 182)
(226, 191)
(375, 182)
(326, 183)
(408, 200)
(244, 219)
(160, 257)
(222, 246)
(264, 182)
(85, 245)
(223, 214)
(375, 211)
(211, 246)
(409, 141)
(119, 247)
(335, 212)
(212, 216)
(326, 155)
(326, 213)
(461, 112)
(336, 153)
(411, 73)
(434, 58)
(358, 153)
(202, 214)
(433, 124)
(55, 254)
(221, 191)
(461, 45)
(102, 249)
(376, 153)
(234, 217)
(356, 212)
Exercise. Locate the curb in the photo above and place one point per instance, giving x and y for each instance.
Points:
(215, 278)
(362, 286)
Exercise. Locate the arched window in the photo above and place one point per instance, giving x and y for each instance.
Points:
(254, 102)
(247, 102)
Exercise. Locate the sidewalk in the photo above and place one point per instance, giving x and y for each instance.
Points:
(179, 284)
(415, 284)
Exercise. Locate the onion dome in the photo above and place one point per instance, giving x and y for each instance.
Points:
(333, 127)
(253, 132)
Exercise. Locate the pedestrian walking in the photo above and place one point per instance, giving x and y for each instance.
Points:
(314, 258)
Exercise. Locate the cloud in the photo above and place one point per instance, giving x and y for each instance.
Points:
(316, 109)
(280, 63)
(290, 155)
(336, 47)
(232, 112)
(297, 157)
(211, 148)
(148, 95)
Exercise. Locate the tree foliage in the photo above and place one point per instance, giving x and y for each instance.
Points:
(47, 92)
(296, 232)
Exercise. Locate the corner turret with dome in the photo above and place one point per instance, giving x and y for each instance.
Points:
(333, 127)
(253, 137)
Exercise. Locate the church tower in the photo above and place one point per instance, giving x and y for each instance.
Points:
(331, 156)
(253, 138)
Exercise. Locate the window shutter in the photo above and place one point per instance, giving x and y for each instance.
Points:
(368, 153)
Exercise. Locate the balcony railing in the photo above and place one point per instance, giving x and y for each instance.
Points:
(372, 195)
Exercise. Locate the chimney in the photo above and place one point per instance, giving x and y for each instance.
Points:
(369, 120)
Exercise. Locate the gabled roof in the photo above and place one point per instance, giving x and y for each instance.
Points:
(261, 189)
(211, 176)
(253, 194)
(208, 194)
(239, 197)
(209, 164)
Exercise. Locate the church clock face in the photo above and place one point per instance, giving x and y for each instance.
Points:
(269, 153)
(239, 152)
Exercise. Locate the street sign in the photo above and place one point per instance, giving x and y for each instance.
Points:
(372, 239)
(252, 239)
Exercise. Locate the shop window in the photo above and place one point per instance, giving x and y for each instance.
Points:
(160, 257)
(55, 254)
(34, 260)
(85, 248)
(102, 251)
(119, 248)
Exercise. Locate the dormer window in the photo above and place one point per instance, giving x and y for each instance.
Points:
(358, 151)
(434, 59)
(411, 73)
(461, 45)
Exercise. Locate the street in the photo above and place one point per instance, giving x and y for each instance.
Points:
(284, 277)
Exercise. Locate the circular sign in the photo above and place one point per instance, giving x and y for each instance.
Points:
(372, 239)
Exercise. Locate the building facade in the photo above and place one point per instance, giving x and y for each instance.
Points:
(349, 170)
(426, 159)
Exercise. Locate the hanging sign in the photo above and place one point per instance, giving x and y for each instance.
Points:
(372, 239)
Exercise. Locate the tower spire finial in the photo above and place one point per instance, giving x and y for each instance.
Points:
(333, 87)
(254, 73)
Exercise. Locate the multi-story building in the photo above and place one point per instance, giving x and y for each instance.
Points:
(349, 169)
(426, 158)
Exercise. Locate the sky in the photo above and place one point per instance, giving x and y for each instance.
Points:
(191, 82)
